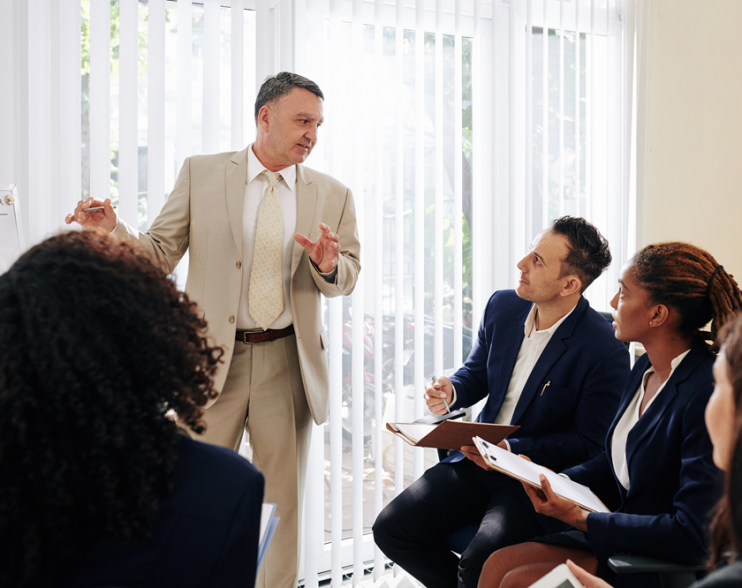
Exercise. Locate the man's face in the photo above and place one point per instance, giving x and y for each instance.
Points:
(539, 270)
(289, 128)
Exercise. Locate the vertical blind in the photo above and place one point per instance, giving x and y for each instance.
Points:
(463, 129)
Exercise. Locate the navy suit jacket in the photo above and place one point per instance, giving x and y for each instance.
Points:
(572, 393)
(674, 483)
(206, 534)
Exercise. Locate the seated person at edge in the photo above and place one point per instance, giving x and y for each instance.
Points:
(724, 424)
(657, 471)
(99, 486)
(545, 361)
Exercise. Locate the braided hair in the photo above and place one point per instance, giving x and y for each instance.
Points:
(98, 349)
(689, 280)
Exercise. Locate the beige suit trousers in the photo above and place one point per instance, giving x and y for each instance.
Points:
(264, 392)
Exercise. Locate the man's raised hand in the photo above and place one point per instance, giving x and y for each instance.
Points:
(325, 252)
(102, 219)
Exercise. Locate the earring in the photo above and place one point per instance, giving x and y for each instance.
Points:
(651, 323)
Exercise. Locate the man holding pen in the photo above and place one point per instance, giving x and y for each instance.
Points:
(265, 237)
(545, 361)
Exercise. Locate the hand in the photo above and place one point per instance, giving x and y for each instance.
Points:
(472, 453)
(103, 219)
(547, 503)
(435, 392)
(325, 252)
(586, 578)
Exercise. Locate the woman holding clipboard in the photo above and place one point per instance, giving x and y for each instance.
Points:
(657, 472)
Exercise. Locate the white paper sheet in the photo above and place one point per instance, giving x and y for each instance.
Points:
(522, 469)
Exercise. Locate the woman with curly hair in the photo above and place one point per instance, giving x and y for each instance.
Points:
(100, 354)
(657, 470)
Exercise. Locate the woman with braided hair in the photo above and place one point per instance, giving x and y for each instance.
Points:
(657, 473)
(99, 354)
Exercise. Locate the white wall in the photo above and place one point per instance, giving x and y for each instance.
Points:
(690, 171)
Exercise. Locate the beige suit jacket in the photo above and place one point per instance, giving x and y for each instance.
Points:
(203, 215)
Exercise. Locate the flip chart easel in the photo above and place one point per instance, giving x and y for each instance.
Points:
(11, 231)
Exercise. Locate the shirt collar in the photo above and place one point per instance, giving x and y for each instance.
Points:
(529, 328)
(674, 363)
(255, 168)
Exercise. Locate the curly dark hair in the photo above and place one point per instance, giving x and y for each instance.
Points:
(726, 527)
(589, 254)
(690, 280)
(99, 352)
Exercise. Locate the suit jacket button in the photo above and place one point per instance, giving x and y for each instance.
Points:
(231, 319)
(239, 264)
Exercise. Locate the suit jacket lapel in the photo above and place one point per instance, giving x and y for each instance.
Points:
(553, 351)
(306, 201)
(235, 178)
(648, 421)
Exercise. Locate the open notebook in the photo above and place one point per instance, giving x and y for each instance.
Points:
(449, 434)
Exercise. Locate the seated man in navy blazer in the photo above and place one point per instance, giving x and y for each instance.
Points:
(545, 361)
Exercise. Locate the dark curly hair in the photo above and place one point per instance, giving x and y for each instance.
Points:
(99, 353)
(589, 254)
(690, 280)
(726, 527)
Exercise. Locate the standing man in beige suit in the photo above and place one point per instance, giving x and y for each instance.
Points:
(242, 217)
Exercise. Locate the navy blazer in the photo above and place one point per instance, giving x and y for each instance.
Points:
(674, 483)
(206, 534)
(572, 392)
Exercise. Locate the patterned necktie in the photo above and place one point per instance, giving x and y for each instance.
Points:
(265, 295)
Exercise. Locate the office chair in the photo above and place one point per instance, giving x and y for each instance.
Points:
(672, 575)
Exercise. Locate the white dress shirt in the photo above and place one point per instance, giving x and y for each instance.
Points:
(630, 418)
(255, 185)
(533, 345)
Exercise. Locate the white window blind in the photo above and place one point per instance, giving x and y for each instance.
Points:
(462, 127)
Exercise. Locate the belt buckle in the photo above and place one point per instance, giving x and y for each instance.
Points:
(245, 335)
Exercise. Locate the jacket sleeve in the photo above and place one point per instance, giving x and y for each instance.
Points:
(680, 535)
(470, 380)
(585, 436)
(166, 241)
(349, 263)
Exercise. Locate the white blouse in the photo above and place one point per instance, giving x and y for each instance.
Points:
(630, 418)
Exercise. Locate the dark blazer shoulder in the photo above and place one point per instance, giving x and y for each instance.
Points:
(212, 478)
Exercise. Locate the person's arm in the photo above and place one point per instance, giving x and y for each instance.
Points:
(680, 535)
(167, 239)
(335, 256)
(470, 380)
(596, 406)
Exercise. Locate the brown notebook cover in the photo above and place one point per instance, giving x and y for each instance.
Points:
(456, 434)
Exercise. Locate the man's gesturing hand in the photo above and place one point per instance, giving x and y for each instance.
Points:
(104, 219)
(325, 252)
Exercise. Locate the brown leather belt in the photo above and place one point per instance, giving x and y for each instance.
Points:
(264, 336)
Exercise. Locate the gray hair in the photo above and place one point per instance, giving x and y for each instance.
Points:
(281, 84)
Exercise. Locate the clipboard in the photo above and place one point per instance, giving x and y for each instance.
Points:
(449, 434)
(11, 229)
(528, 472)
